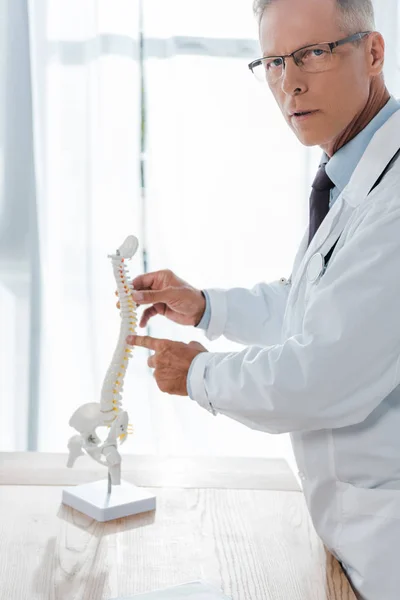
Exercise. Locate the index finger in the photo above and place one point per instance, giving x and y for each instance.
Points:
(146, 341)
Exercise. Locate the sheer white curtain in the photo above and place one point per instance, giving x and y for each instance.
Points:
(86, 89)
(17, 226)
(225, 198)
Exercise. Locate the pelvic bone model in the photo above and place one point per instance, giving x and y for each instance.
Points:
(109, 413)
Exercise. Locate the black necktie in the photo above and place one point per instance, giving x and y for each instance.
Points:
(319, 200)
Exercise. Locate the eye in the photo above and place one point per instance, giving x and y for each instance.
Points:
(274, 63)
(313, 53)
(318, 51)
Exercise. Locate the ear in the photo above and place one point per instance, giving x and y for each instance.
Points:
(376, 53)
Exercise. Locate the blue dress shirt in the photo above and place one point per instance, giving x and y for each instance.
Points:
(339, 169)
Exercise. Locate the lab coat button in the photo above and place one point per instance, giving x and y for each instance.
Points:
(302, 476)
(283, 280)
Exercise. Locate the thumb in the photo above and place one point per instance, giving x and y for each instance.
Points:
(151, 296)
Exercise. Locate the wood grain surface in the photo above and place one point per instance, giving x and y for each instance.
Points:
(252, 544)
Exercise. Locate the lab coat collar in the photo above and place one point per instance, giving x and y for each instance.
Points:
(380, 151)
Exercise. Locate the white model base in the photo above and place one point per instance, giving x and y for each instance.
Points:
(93, 500)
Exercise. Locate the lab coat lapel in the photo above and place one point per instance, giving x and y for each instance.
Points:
(377, 156)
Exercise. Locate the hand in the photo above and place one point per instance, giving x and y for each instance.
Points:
(170, 296)
(171, 361)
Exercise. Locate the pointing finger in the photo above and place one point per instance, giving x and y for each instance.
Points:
(146, 341)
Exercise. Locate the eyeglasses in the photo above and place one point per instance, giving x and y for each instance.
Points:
(315, 58)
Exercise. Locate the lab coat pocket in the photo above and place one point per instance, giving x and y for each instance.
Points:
(368, 538)
(376, 502)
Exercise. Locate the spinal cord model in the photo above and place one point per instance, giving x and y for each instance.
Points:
(109, 412)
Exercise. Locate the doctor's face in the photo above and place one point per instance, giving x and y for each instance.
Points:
(335, 96)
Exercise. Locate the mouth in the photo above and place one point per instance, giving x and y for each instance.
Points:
(302, 115)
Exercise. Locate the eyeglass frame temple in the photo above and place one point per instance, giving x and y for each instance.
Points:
(332, 45)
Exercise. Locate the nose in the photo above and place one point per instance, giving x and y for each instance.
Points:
(293, 81)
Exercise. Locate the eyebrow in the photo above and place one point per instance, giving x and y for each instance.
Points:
(298, 48)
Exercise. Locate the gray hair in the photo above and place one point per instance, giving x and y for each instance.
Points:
(358, 15)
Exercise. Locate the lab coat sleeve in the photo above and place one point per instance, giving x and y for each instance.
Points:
(248, 316)
(343, 361)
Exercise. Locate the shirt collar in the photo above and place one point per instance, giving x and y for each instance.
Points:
(342, 164)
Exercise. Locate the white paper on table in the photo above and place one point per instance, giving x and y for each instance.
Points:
(197, 590)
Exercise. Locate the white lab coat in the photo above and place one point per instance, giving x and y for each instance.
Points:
(323, 363)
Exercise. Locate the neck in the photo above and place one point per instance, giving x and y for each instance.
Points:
(377, 99)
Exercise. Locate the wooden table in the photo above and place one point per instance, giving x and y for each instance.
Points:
(217, 519)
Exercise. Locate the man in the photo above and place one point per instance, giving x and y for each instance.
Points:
(322, 349)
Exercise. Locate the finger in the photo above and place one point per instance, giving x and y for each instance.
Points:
(146, 316)
(118, 305)
(151, 296)
(145, 341)
(157, 309)
(151, 362)
(144, 282)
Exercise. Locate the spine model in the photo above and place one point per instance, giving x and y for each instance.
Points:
(108, 412)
